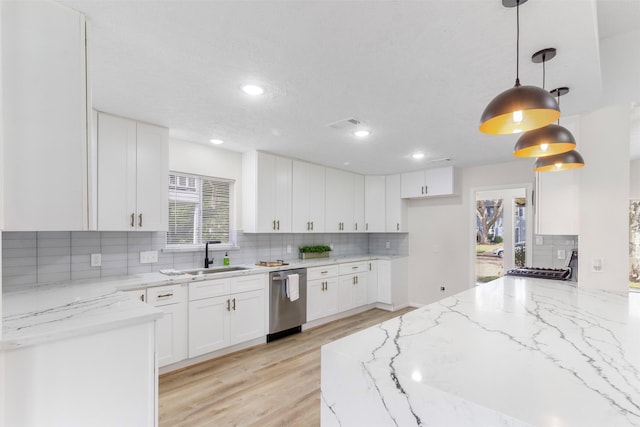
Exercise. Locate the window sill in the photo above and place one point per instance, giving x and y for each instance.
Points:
(200, 248)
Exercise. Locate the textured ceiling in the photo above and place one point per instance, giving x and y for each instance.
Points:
(418, 73)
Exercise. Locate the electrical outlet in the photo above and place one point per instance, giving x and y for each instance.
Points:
(597, 265)
(561, 254)
(539, 240)
(288, 249)
(388, 245)
(96, 260)
(331, 246)
(148, 257)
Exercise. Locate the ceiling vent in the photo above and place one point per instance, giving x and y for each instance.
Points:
(345, 124)
(444, 159)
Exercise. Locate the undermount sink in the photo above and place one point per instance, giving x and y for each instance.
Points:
(214, 270)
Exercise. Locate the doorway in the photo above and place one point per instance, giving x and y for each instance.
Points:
(502, 231)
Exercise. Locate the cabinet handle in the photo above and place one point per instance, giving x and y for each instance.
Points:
(326, 286)
(397, 226)
(369, 266)
(308, 224)
(133, 218)
(140, 220)
(324, 272)
(366, 227)
(170, 294)
(278, 221)
(353, 281)
(354, 267)
(311, 225)
(142, 297)
(323, 284)
(228, 305)
(274, 224)
(234, 304)
(422, 189)
(426, 189)
(356, 280)
(356, 226)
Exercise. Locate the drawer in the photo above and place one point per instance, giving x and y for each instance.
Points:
(253, 282)
(209, 288)
(163, 295)
(354, 267)
(322, 272)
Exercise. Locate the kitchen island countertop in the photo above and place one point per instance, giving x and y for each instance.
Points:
(512, 352)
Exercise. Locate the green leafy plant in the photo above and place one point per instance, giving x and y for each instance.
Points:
(315, 248)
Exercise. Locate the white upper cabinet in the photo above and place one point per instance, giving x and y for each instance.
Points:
(428, 183)
(307, 213)
(339, 204)
(44, 120)
(358, 204)
(396, 207)
(133, 171)
(267, 192)
(375, 204)
(557, 203)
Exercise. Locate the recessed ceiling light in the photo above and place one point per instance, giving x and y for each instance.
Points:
(362, 133)
(346, 163)
(417, 155)
(252, 90)
(216, 141)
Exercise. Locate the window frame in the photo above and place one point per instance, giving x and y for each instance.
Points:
(189, 247)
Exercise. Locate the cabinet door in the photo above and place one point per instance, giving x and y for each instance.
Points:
(247, 320)
(374, 203)
(346, 292)
(331, 296)
(412, 184)
(44, 118)
(116, 173)
(557, 203)
(208, 325)
(439, 181)
(360, 290)
(171, 334)
(315, 299)
(372, 283)
(265, 193)
(395, 206)
(384, 281)
(315, 197)
(358, 203)
(282, 202)
(338, 200)
(307, 213)
(152, 174)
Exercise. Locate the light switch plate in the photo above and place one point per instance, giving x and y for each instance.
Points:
(96, 260)
(388, 245)
(597, 265)
(561, 254)
(148, 257)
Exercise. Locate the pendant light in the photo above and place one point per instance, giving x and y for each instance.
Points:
(551, 139)
(559, 162)
(521, 108)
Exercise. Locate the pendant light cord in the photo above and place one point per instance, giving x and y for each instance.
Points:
(517, 43)
(558, 107)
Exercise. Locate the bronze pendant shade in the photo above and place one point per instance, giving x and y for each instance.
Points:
(519, 109)
(559, 162)
(547, 141)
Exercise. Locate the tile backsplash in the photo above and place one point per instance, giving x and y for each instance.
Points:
(42, 257)
(546, 254)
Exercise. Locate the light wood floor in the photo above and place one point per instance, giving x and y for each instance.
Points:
(275, 384)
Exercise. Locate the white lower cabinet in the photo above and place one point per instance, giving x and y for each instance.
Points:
(393, 282)
(372, 283)
(171, 328)
(322, 292)
(353, 285)
(233, 318)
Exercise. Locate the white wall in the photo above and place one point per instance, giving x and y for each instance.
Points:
(604, 198)
(442, 236)
(634, 179)
(199, 159)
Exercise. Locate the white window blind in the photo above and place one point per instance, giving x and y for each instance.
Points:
(199, 210)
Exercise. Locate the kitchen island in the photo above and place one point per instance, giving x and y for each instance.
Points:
(512, 352)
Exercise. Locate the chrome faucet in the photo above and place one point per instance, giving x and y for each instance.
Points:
(208, 262)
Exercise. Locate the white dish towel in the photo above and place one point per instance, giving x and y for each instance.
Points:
(293, 286)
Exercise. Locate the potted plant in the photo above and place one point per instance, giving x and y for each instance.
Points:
(314, 251)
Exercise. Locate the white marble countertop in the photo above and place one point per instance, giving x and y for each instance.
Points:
(39, 313)
(513, 352)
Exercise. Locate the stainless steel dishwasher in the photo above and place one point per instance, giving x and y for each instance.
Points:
(286, 316)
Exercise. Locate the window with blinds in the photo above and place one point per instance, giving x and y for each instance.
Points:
(199, 210)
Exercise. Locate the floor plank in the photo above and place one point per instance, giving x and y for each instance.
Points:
(275, 384)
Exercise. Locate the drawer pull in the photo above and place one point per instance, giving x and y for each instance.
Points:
(132, 223)
(228, 305)
(170, 294)
(324, 272)
(234, 304)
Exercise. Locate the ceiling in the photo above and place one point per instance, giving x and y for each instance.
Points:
(417, 73)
